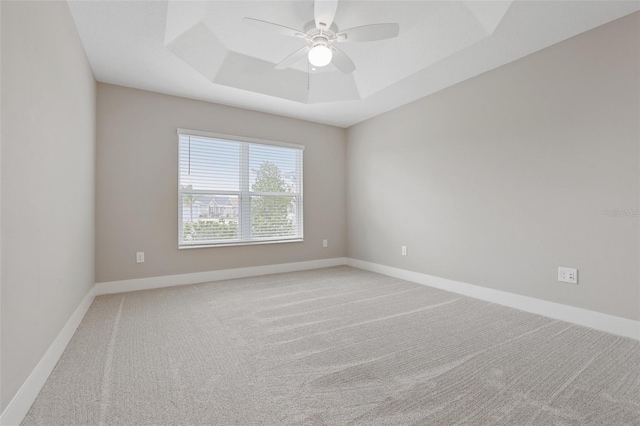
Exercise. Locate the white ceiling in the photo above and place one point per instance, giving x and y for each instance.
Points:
(202, 50)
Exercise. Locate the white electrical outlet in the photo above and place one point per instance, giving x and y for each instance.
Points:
(404, 250)
(325, 243)
(140, 257)
(568, 275)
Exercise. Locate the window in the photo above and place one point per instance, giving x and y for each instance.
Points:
(234, 190)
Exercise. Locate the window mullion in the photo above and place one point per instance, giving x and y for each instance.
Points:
(245, 196)
(298, 190)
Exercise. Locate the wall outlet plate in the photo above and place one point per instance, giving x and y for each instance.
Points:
(568, 275)
(404, 250)
(140, 257)
(325, 243)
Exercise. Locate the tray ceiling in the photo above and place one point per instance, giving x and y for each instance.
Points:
(202, 50)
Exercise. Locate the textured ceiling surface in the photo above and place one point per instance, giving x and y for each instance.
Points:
(203, 50)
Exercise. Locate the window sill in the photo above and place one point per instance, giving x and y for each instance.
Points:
(235, 244)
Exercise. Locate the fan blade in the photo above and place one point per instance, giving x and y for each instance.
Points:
(293, 58)
(341, 61)
(371, 32)
(274, 28)
(324, 11)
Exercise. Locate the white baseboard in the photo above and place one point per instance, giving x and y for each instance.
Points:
(21, 402)
(599, 321)
(209, 276)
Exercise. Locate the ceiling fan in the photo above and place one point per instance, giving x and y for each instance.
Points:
(322, 34)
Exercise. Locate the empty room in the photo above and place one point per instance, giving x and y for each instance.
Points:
(319, 212)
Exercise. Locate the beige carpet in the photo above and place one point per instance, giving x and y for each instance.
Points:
(334, 346)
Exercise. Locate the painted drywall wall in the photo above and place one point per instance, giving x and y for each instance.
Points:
(48, 182)
(137, 184)
(1, 404)
(503, 178)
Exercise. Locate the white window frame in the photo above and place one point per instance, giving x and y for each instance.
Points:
(244, 195)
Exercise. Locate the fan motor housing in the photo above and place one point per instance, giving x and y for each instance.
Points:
(314, 33)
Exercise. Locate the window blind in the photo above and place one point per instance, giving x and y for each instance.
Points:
(237, 190)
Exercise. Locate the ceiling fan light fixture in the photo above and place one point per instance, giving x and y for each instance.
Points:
(321, 34)
(320, 55)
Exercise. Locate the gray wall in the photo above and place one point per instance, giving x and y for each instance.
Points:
(499, 180)
(136, 184)
(48, 169)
